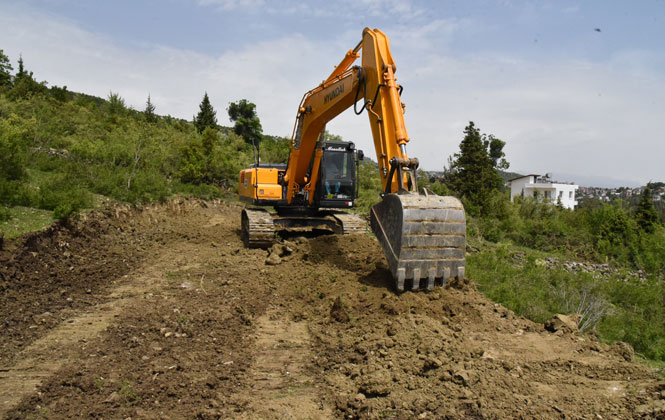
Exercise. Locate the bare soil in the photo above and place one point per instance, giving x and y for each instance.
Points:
(161, 313)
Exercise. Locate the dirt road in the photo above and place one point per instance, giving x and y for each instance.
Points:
(161, 313)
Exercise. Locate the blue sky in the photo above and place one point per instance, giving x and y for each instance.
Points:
(566, 98)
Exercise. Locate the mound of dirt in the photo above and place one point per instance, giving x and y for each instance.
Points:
(171, 317)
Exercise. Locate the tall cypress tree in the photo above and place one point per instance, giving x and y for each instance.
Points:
(206, 116)
(21, 73)
(149, 111)
(5, 70)
(472, 173)
(646, 215)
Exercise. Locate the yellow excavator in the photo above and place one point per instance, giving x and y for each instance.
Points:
(422, 235)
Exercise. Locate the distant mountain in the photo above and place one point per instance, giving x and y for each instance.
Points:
(581, 180)
(506, 176)
(595, 180)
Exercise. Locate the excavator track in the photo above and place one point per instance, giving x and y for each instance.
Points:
(350, 223)
(258, 228)
(423, 238)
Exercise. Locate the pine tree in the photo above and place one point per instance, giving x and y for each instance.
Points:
(24, 83)
(21, 71)
(247, 123)
(116, 103)
(5, 70)
(472, 173)
(149, 111)
(646, 215)
(206, 116)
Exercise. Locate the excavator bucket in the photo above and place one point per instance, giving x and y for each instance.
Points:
(422, 236)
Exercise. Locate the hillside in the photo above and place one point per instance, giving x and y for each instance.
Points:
(118, 306)
(161, 313)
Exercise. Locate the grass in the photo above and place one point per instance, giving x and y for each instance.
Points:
(128, 393)
(619, 308)
(25, 219)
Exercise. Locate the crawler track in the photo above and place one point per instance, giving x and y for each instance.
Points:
(258, 229)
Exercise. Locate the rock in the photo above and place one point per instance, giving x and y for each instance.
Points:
(273, 259)
(281, 250)
(457, 283)
(462, 377)
(114, 398)
(432, 363)
(376, 384)
(564, 323)
(624, 350)
(337, 311)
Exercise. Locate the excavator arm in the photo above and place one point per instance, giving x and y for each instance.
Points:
(374, 82)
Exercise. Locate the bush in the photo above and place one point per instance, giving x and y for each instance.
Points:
(12, 149)
(64, 196)
(5, 214)
(621, 308)
(214, 159)
(275, 149)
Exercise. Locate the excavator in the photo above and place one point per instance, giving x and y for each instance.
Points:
(423, 235)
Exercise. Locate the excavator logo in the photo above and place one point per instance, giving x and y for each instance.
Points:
(332, 95)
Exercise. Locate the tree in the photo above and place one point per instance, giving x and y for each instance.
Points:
(116, 103)
(59, 93)
(5, 70)
(472, 173)
(247, 124)
(328, 136)
(206, 116)
(646, 215)
(496, 152)
(12, 157)
(21, 71)
(149, 111)
(24, 83)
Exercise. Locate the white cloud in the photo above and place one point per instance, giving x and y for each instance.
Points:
(234, 4)
(556, 116)
(403, 9)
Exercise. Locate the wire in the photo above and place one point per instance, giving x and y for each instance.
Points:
(363, 82)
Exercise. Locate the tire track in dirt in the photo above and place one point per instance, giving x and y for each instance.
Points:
(281, 386)
(207, 329)
(262, 374)
(47, 355)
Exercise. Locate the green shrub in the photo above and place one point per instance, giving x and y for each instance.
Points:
(621, 308)
(12, 149)
(64, 195)
(275, 149)
(5, 214)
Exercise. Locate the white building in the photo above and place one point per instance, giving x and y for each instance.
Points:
(542, 187)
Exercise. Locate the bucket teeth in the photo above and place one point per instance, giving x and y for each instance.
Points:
(401, 275)
(431, 278)
(422, 237)
(416, 279)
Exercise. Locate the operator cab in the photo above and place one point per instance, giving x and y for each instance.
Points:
(337, 187)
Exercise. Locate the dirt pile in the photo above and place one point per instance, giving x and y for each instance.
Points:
(192, 325)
